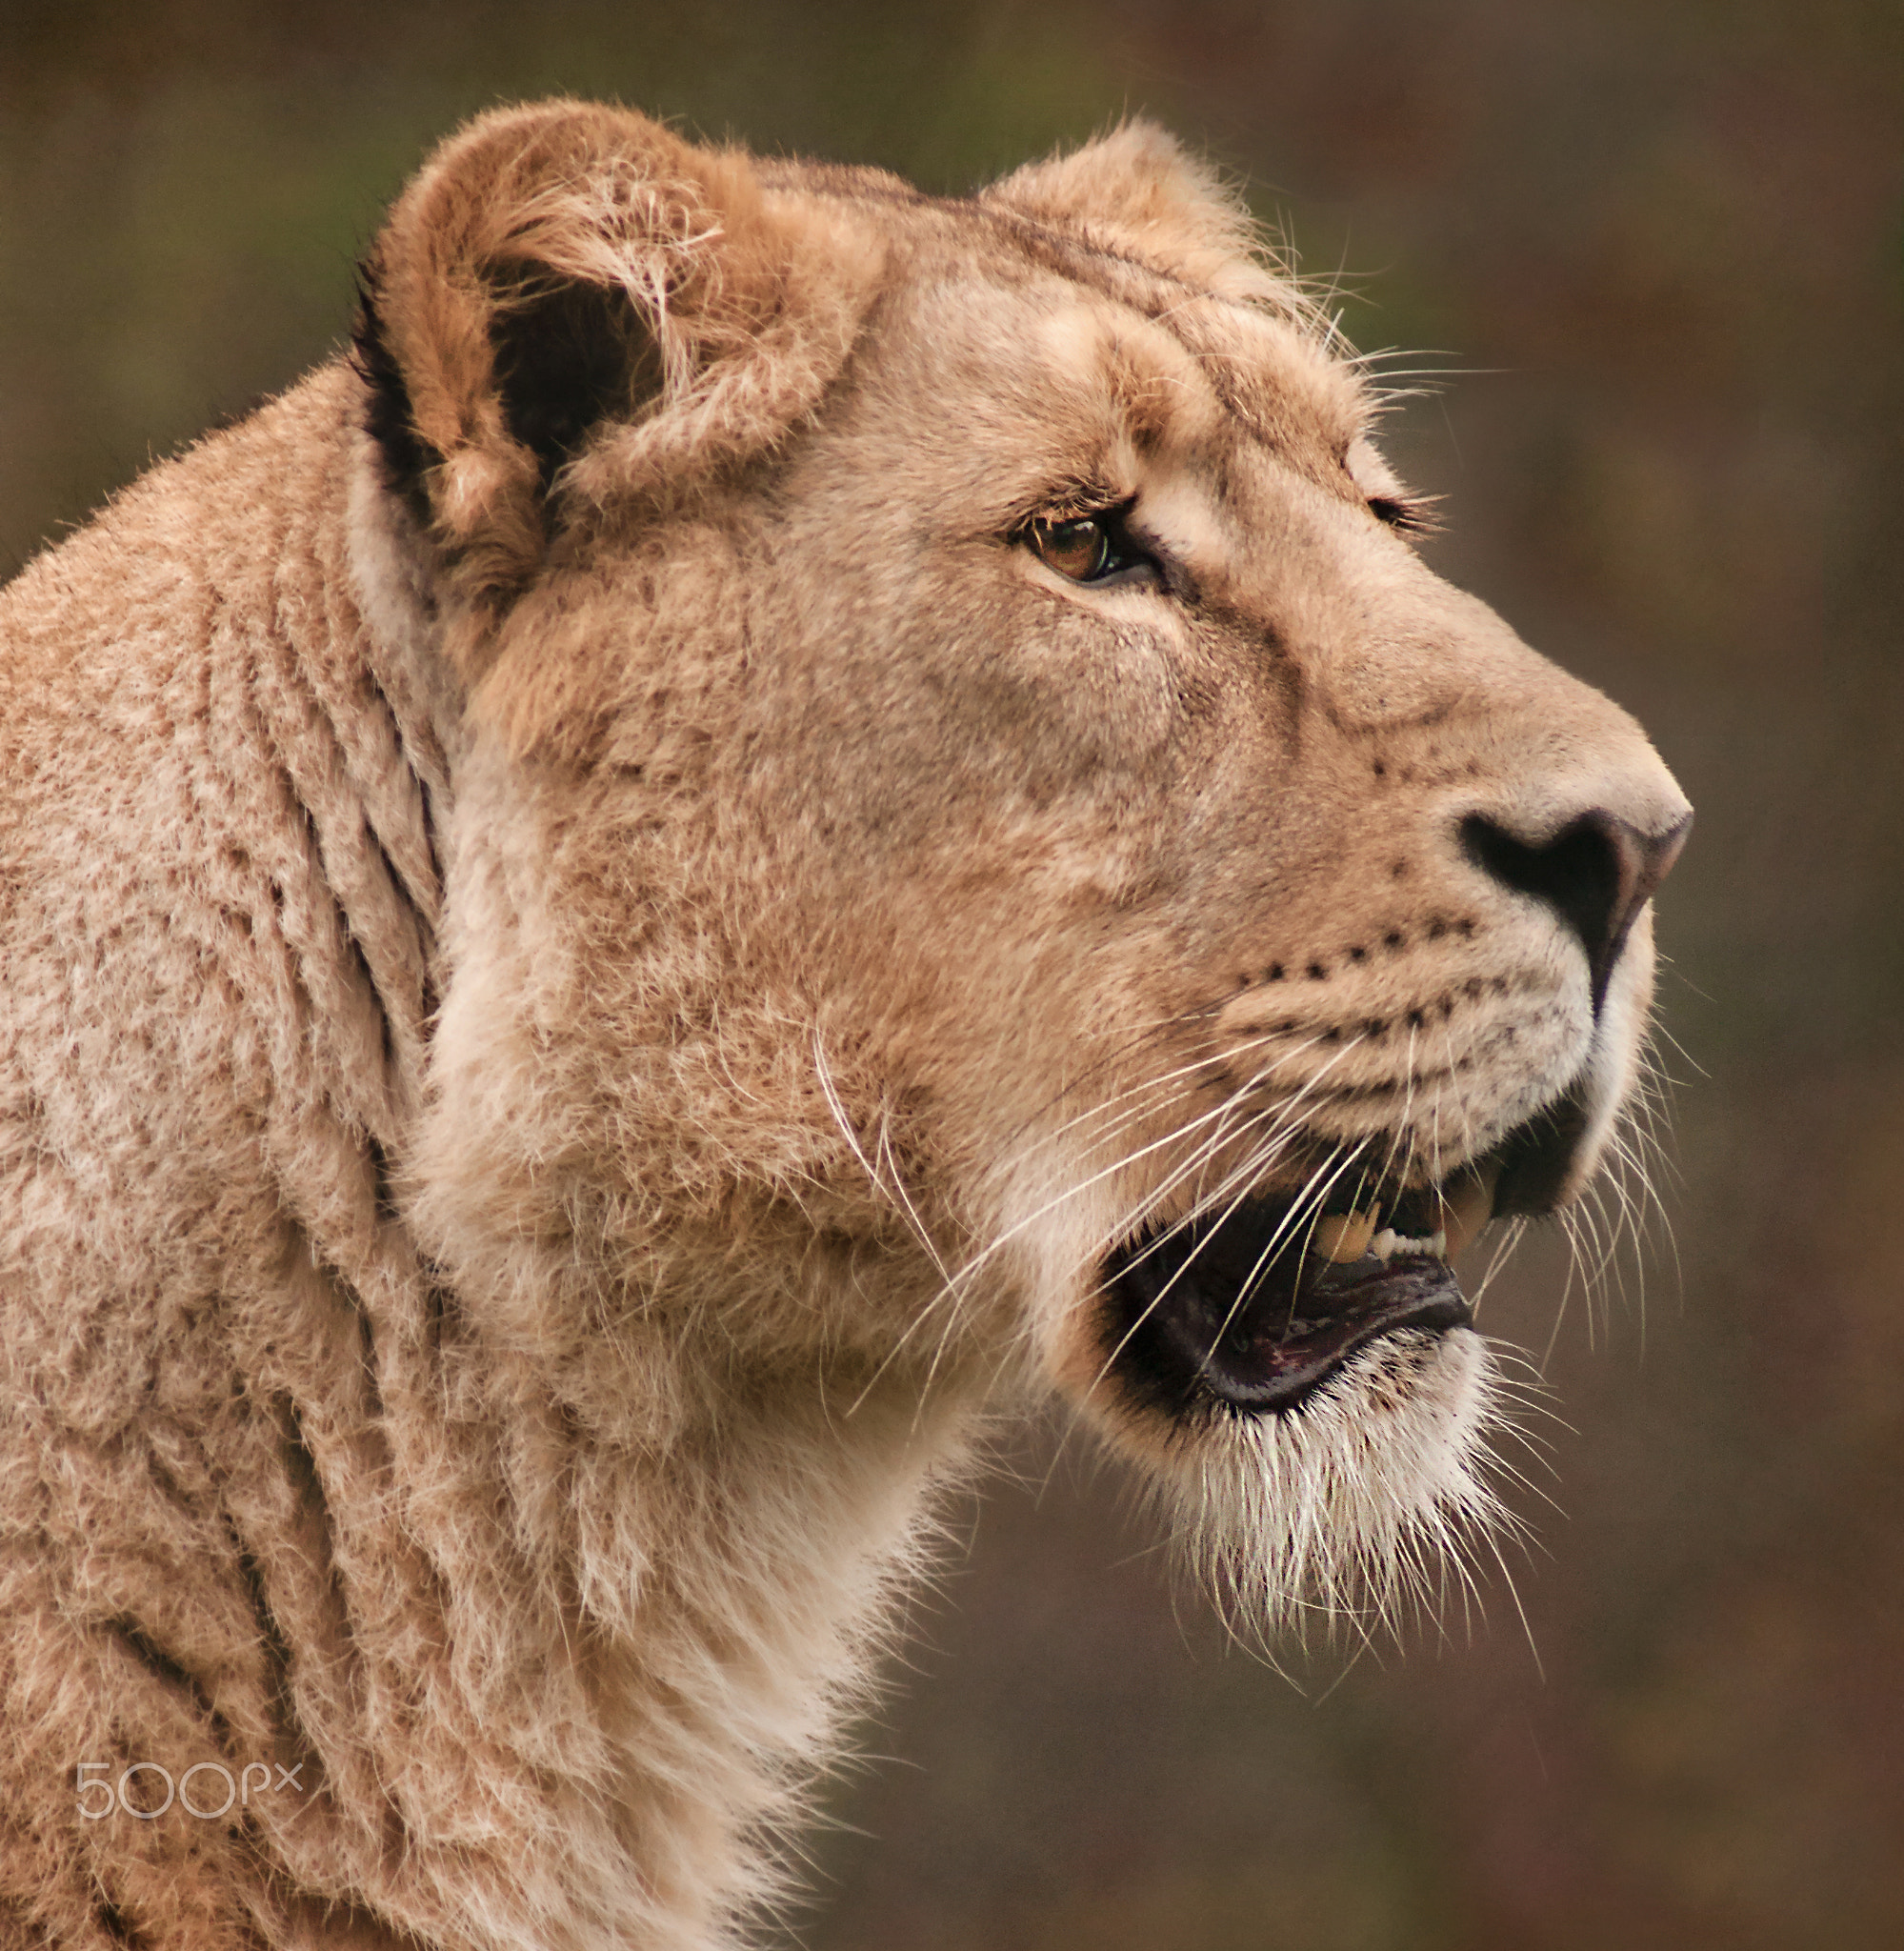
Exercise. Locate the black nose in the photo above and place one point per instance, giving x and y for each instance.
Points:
(1596, 873)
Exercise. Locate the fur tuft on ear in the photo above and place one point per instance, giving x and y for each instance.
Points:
(1136, 191)
(570, 307)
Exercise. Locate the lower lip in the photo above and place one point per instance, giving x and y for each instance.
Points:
(1181, 1332)
(1275, 1370)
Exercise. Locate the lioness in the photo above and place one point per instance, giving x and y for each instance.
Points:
(783, 811)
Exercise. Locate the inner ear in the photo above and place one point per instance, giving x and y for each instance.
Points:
(567, 356)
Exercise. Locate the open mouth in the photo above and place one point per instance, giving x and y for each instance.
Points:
(1258, 1305)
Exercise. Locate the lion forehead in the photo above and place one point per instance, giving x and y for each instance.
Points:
(1172, 360)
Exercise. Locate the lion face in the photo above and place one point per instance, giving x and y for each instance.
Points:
(1293, 910)
(1007, 860)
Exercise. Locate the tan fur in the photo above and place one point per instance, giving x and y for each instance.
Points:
(559, 1049)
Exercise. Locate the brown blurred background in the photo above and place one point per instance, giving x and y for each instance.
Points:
(1654, 246)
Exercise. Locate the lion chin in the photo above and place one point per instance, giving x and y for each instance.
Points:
(783, 813)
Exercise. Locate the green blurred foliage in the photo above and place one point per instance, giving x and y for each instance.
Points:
(1653, 251)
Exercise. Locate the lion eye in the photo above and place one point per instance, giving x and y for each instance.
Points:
(1407, 514)
(1080, 549)
(1097, 548)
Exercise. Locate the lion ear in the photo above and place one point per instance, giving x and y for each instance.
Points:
(1138, 192)
(570, 306)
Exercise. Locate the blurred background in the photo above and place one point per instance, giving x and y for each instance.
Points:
(1652, 250)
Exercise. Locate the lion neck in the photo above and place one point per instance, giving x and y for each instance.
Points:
(648, 1467)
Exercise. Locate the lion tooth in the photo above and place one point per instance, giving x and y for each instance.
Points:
(1384, 1243)
(1343, 1236)
(1464, 1209)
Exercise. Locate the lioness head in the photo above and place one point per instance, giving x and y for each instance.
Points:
(982, 856)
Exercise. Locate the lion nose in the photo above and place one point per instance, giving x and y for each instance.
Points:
(1596, 873)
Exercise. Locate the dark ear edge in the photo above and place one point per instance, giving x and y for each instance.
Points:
(404, 453)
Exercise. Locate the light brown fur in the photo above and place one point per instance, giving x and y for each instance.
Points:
(568, 1030)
